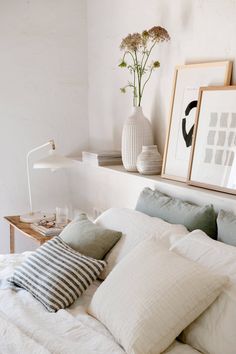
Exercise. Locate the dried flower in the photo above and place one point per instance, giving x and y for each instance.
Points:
(138, 47)
(156, 64)
(145, 33)
(158, 34)
(122, 64)
(132, 42)
(145, 38)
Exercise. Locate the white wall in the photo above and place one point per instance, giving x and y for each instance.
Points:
(43, 95)
(112, 187)
(200, 30)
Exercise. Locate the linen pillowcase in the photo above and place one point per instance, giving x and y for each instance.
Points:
(176, 211)
(88, 238)
(214, 330)
(180, 348)
(135, 227)
(151, 296)
(56, 275)
(226, 223)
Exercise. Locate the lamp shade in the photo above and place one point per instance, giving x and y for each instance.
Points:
(54, 161)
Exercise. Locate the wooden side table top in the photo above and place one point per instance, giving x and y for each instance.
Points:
(25, 229)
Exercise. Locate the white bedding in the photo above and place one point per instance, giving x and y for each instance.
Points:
(26, 327)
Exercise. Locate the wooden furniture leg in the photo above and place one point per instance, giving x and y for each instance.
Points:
(15, 223)
(12, 239)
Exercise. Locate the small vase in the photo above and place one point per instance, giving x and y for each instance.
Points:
(137, 131)
(149, 162)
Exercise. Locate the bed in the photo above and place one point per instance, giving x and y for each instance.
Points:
(26, 327)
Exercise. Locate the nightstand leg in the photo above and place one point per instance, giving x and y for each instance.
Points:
(12, 239)
(42, 242)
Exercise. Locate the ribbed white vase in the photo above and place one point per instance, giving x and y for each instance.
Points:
(137, 131)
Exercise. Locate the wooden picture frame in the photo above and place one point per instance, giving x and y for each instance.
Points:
(213, 156)
(187, 81)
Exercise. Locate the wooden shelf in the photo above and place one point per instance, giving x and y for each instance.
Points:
(195, 194)
(156, 179)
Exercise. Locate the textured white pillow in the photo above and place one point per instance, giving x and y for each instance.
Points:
(215, 330)
(180, 348)
(135, 227)
(151, 296)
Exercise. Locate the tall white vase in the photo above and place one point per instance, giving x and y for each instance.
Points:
(137, 131)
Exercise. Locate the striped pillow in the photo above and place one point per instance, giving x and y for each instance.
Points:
(56, 275)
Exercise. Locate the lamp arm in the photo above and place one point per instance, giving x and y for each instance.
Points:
(50, 142)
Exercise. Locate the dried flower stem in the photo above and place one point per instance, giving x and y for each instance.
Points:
(138, 47)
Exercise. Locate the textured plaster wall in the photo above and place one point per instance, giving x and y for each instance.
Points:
(59, 77)
(200, 30)
(43, 95)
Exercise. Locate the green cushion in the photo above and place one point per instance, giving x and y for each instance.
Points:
(226, 223)
(176, 211)
(88, 238)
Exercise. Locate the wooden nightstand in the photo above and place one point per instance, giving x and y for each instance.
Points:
(25, 229)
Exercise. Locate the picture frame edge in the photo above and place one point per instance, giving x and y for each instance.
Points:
(163, 174)
(202, 184)
(211, 187)
(174, 178)
(201, 89)
(227, 80)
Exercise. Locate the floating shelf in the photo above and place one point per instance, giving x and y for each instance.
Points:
(196, 194)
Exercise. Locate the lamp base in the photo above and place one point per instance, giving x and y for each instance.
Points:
(36, 217)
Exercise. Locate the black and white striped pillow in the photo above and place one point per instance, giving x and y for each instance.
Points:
(56, 275)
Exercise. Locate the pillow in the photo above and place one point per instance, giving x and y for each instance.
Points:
(89, 239)
(226, 223)
(151, 296)
(176, 211)
(135, 227)
(214, 330)
(56, 275)
(180, 348)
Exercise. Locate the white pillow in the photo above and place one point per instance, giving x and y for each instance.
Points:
(135, 227)
(180, 348)
(151, 296)
(215, 330)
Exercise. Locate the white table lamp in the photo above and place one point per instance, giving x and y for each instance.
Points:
(53, 161)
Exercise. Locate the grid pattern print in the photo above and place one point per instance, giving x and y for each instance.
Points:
(221, 139)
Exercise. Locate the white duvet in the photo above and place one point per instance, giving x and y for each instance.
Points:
(26, 327)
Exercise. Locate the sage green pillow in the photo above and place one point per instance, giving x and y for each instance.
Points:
(88, 238)
(176, 211)
(226, 223)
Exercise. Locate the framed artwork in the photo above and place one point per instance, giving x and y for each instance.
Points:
(213, 157)
(187, 81)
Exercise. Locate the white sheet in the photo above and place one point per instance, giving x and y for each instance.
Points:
(26, 327)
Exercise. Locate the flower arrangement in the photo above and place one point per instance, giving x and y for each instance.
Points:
(138, 47)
